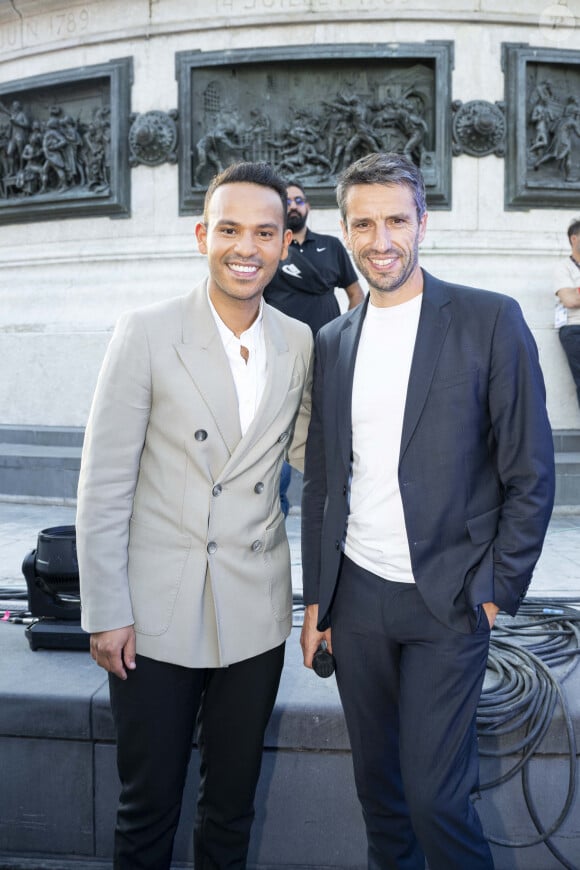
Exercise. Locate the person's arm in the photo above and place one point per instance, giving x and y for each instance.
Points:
(525, 456)
(569, 296)
(348, 278)
(112, 449)
(566, 283)
(313, 501)
(298, 444)
(355, 294)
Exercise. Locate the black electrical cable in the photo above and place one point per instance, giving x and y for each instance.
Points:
(522, 692)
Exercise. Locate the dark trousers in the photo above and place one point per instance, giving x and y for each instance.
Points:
(155, 712)
(410, 688)
(570, 341)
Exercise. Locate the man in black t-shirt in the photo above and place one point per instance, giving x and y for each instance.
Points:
(304, 284)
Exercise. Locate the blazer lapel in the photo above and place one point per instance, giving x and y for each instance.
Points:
(433, 325)
(203, 355)
(343, 376)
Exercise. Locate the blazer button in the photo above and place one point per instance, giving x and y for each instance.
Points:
(200, 435)
(217, 489)
(337, 545)
(257, 546)
(212, 547)
(344, 490)
(283, 438)
(259, 487)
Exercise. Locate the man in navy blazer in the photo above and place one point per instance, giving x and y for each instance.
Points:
(428, 487)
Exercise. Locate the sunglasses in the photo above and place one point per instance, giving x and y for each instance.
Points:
(299, 200)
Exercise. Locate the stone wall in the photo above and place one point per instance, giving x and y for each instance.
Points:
(64, 282)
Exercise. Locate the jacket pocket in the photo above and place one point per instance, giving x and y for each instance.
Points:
(156, 565)
(483, 527)
(277, 561)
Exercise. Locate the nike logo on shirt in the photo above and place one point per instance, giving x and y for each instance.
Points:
(293, 270)
(320, 249)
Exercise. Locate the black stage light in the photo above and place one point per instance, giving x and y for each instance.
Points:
(51, 572)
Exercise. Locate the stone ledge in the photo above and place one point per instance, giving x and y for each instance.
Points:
(55, 436)
(42, 461)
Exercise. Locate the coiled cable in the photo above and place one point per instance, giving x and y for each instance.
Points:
(522, 692)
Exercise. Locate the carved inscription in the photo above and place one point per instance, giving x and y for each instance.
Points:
(69, 23)
(312, 6)
(45, 28)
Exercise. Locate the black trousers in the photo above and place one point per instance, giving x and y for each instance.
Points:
(410, 688)
(570, 341)
(155, 712)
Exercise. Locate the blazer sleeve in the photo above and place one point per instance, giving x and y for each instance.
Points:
(314, 490)
(298, 445)
(525, 455)
(114, 440)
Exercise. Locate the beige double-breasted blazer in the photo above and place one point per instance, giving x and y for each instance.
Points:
(179, 528)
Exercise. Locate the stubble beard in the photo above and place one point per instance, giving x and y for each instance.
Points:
(388, 283)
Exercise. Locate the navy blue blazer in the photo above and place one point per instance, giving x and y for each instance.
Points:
(476, 465)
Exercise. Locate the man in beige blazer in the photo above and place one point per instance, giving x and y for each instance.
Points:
(183, 555)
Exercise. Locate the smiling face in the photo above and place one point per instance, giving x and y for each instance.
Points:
(383, 233)
(244, 239)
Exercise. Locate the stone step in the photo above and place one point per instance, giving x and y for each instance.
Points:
(49, 436)
(39, 471)
(567, 479)
(40, 461)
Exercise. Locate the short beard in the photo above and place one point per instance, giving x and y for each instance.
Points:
(296, 222)
(390, 285)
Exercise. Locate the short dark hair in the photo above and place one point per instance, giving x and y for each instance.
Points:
(248, 173)
(574, 229)
(291, 182)
(382, 168)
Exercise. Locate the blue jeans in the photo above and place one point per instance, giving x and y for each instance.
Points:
(285, 478)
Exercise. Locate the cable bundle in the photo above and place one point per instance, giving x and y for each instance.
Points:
(521, 692)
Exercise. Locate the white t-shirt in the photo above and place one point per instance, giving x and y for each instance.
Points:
(566, 274)
(376, 536)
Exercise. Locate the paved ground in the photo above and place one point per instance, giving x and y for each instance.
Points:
(557, 573)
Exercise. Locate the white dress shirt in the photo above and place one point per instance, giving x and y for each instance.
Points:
(249, 377)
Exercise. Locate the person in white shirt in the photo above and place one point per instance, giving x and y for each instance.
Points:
(566, 285)
(183, 557)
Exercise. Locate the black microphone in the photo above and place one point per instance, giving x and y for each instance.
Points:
(323, 661)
